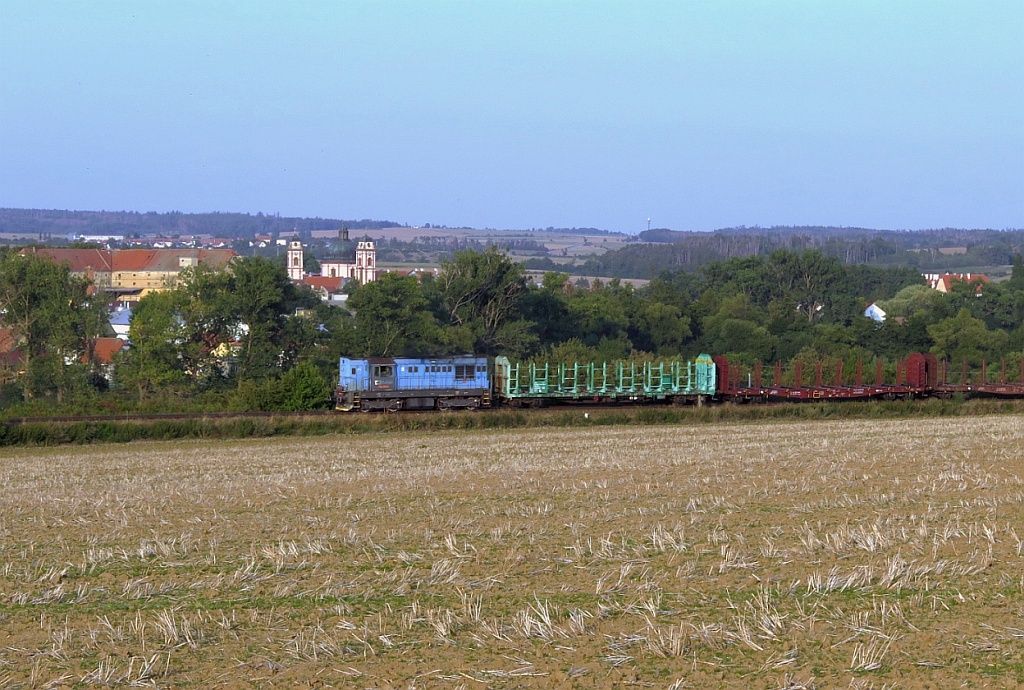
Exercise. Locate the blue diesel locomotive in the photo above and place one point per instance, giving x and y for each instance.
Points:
(410, 383)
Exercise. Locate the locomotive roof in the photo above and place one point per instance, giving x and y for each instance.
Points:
(440, 358)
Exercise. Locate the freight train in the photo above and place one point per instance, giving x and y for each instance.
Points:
(473, 382)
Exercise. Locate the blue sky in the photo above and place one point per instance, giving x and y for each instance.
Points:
(521, 114)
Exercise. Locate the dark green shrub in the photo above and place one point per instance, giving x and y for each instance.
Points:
(303, 388)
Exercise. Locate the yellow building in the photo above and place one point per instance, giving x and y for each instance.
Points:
(133, 273)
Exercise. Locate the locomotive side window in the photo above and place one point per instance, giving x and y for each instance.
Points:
(463, 372)
(383, 371)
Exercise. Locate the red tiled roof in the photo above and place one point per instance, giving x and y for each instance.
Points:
(77, 260)
(169, 260)
(977, 279)
(105, 260)
(105, 349)
(323, 282)
(133, 259)
(216, 258)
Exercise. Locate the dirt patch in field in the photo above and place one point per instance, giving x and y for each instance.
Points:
(811, 554)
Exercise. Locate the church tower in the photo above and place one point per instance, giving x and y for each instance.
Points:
(295, 271)
(366, 262)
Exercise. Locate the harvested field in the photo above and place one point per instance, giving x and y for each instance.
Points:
(773, 555)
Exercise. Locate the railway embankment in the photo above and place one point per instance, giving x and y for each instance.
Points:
(42, 431)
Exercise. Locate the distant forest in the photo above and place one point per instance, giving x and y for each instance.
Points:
(130, 223)
(663, 250)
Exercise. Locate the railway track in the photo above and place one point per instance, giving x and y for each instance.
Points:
(173, 416)
(733, 396)
(167, 416)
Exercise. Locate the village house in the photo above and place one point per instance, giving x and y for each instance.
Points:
(11, 358)
(943, 282)
(875, 313)
(120, 322)
(103, 351)
(328, 289)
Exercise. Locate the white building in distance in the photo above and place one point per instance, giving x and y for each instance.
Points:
(875, 313)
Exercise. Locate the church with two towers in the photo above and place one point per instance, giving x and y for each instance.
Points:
(363, 268)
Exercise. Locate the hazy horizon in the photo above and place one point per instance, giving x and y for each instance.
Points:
(400, 224)
(696, 115)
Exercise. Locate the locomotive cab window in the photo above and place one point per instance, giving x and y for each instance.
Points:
(383, 371)
(463, 372)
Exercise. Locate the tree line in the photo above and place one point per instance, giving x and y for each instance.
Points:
(247, 338)
(663, 250)
(133, 224)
